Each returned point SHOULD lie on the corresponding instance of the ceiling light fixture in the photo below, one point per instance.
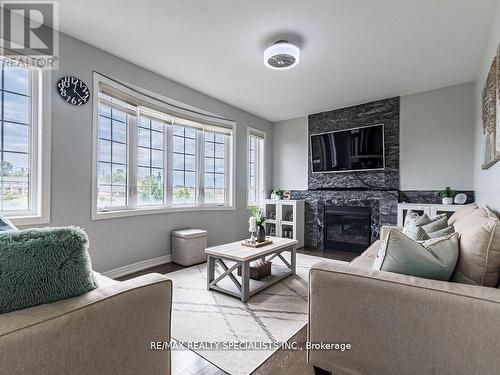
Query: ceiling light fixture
(282, 55)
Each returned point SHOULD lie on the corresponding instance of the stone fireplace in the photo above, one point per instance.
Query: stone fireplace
(347, 228)
(382, 206)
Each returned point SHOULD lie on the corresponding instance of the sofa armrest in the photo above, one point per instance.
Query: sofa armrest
(401, 324)
(384, 230)
(105, 331)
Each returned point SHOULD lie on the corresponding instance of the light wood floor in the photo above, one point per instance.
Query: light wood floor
(289, 362)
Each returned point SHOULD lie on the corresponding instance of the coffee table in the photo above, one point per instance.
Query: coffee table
(241, 256)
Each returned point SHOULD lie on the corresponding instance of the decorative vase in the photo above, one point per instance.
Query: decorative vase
(261, 233)
(447, 200)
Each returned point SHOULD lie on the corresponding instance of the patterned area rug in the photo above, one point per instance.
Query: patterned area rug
(271, 316)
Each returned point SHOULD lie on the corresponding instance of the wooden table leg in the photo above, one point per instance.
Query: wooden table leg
(245, 281)
(210, 270)
(293, 256)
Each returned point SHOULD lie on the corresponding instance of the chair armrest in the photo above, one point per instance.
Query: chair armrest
(384, 230)
(401, 324)
(105, 331)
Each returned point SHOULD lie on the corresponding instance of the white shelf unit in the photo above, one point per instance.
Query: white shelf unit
(430, 209)
(280, 222)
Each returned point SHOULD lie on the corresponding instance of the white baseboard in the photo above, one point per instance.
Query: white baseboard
(136, 267)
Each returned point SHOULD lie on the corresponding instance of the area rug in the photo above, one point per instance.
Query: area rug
(270, 317)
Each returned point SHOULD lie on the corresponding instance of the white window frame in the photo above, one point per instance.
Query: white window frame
(40, 153)
(261, 180)
(183, 112)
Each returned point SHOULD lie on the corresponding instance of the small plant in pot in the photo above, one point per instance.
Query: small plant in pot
(259, 221)
(277, 194)
(447, 195)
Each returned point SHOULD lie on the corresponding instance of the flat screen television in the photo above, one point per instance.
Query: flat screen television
(358, 149)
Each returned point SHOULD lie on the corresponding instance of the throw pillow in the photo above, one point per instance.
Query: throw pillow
(413, 217)
(42, 266)
(439, 222)
(6, 224)
(443, 232)
(413, 225)
(432, 259)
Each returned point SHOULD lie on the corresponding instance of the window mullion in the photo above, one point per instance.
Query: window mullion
(35, 157)
(227, 170)
(257, 172)
(200, 156)
(168, 163)
(133, 160)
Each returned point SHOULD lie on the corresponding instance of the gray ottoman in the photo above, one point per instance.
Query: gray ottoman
(188, 246)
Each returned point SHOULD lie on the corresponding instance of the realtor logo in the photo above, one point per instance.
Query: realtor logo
(28, 32)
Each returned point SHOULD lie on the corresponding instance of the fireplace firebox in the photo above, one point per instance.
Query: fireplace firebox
(347, 228)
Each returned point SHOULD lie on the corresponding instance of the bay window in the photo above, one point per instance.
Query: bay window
(150, 156)
(24, 125)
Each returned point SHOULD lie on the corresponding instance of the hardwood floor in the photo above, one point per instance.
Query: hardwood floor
(345, 256)
(289, 362)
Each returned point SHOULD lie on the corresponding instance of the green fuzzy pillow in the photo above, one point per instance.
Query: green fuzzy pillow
(43, 265)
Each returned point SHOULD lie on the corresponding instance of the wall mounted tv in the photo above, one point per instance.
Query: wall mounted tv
(357, 149)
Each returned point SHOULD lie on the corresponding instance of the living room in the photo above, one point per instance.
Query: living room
(250, 187)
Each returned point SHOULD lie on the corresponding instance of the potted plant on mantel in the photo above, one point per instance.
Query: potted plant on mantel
(447, 195)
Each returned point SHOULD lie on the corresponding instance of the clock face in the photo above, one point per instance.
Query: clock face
(73, 90)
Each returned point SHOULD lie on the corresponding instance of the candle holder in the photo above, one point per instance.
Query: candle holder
(252, 228)
(252, 237)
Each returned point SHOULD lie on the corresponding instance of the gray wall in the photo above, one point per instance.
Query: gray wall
(486, 183)
(290, 151)
(122, 241)
(437, 139)
(436, 135)
(288, 176)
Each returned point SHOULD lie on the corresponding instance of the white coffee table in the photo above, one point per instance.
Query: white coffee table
(243, 287)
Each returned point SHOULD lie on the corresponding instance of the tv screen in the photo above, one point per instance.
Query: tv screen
(348, 150)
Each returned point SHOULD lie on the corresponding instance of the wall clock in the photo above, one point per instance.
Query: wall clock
(73, 90)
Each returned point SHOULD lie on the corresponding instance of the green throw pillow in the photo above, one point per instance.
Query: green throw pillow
(43, 265)
(432, 259)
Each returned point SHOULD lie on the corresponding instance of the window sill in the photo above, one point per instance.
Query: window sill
(153, 211)
(28, 220)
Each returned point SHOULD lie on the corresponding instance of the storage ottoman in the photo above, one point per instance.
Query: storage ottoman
(188, 246)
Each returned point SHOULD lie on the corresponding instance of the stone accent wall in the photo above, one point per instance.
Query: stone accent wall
(383, 205)
(379, 112)
(428, 196)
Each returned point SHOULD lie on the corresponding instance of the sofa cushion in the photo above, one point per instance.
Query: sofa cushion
(43, 265)
(462, 212)
(432, 259)
(479, 260)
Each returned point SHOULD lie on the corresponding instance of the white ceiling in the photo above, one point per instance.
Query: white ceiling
(352, 51)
